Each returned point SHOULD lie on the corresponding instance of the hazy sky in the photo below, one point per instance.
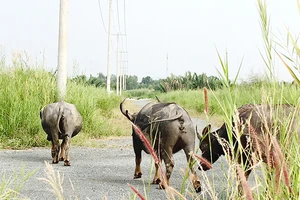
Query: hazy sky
(190, 32)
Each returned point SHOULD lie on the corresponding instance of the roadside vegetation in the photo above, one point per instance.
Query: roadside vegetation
(26, 89)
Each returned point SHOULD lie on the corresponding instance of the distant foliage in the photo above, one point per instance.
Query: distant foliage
(132, 82)
(187, 82)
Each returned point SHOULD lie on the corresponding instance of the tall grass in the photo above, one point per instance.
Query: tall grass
(286, 159)
(26, 89)
(193, 100)
(23, 93)
(281, 182)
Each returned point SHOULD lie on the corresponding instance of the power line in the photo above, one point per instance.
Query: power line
(102, 16)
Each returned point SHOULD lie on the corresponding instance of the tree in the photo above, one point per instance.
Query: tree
(131, 82)
(113, 82)
(80, 79)
(101, 78)
(98, 81)
(147, 81)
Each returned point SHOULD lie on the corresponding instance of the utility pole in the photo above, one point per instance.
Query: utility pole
(108, 49)
(118, 71)
(62, 50)
(118, 63)
(124, 75)
(121, 80)
(121, 75)
(118, 88)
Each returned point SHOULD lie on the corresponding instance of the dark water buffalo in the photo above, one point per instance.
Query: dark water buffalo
(61, 120)
(253, 133)
(168, 128)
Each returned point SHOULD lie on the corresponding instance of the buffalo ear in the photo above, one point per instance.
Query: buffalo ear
(206, 129)
(205, 132)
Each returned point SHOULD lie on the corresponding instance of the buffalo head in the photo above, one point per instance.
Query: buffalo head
(210, 146)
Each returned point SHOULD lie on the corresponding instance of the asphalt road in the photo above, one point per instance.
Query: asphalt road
(96, 173)
(104, 173)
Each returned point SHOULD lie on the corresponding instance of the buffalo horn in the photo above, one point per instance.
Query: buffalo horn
(198, 135)
(126, 113)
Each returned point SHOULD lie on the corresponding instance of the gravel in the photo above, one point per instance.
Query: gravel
(104, 173)
(95, 173)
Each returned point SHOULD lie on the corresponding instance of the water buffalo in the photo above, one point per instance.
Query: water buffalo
(168, 128)
(251, 135)
(61, 120)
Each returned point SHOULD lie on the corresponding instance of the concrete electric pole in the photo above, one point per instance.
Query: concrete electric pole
(62, 50)
(108, 49)
(118, 64)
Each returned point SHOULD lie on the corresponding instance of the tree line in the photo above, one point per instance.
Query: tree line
(189, 81)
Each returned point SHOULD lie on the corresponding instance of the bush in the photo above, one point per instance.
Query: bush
(26, 90)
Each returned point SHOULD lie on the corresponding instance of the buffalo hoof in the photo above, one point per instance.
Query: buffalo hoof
(61, 159)
(138, 175)
(156, 181)
(197, 186)
(54, 162)
(161, 186)
(67, 163)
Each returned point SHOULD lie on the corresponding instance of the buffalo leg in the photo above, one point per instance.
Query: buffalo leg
(63, 150)
(138, 160)
(156, 179)
(191, 162)
(55, 148)
(167, 156)
(67, 141)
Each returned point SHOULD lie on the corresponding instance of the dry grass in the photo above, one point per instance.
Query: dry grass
(244, 183)
(54, 180)
(11, 185)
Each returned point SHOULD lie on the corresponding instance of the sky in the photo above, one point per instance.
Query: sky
(159, 37)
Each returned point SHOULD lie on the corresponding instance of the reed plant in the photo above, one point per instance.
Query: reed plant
(280, 182)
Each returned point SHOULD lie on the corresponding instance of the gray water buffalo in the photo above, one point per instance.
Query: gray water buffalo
(252, 134)
(61, 120)
(168, 128)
